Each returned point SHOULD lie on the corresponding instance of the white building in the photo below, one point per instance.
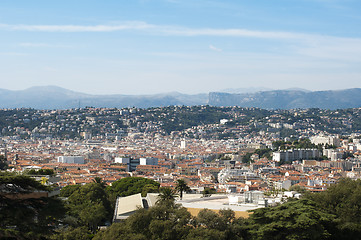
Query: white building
(330, 140)
(183, 144)
(148, 161)
(295, 154)
(333, 154)
(71, 159)
(238, 175)
(223, 121)
(122, 160)
(130, 162)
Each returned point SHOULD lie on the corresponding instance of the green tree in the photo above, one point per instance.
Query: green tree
(92, 214)
(342, 200)
(68, 190)
(149, 188)
(79, 233)
(206, 234)
(221, 225)
(166, 196)
(119, 230)
(298, 188)
(182, 187)
(100, 181)
(298, 219)
(3, 163)
(129, 186)
(247, 158)
(210, 219)
(40, 172)
(207, 192)
(30, 217)
(264, 153)
(158, 222)
(89, 204)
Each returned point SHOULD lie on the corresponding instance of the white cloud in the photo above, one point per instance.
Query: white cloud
(156, 29)
(46, 45)
(215, 48)
(77, 28)
(231, 33)
(313, 45)
(163, 30)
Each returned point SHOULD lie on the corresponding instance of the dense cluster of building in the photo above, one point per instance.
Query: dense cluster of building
(113, 144)
(203, 163)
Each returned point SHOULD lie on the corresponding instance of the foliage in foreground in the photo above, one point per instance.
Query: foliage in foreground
(26, 218)
(333, 214)
(172, 222)
(299, 219)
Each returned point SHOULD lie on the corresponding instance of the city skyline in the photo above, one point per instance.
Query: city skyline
(147, 47)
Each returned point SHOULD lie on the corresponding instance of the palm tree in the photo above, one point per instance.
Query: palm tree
(99, 180)
(182, 187)
(166, 195)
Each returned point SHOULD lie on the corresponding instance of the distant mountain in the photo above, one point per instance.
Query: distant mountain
(297, 89)
(52, 97)
(288, 99)
(246, 90)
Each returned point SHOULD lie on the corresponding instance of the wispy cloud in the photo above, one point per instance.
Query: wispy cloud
(162, 30)
(77, 28)
(41, 45)
(155, 29)
(215, 48)
(314, 45)
(230, 33)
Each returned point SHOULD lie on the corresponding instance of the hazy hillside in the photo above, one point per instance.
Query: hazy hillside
(52, 97)
(288, 99)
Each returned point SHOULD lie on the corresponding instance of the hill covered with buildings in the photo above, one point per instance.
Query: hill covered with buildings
(285, 166)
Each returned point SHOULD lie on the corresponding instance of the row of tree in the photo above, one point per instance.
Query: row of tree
(82, 206)
(333, 214)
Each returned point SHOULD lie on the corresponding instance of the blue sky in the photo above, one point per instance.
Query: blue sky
(189, 46)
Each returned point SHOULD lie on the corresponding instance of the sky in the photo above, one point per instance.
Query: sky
(188, 46)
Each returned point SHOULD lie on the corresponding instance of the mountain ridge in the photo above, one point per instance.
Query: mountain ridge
(54, 97)
(289, 99)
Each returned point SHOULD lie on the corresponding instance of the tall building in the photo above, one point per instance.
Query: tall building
(148, 161)
(330, 140)
(295, 154)
(122, 160)
(131, 163)
(71, 159)
(183, 144)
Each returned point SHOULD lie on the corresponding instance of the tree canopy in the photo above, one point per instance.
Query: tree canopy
(25, 216)
(128, 186)
(332, 214)
(182, 187)
(166, 196)
(90, 205)
(299, 219)
(3, 162)
(343, 201)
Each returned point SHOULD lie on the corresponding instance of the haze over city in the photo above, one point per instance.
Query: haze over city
(180, 119)
(147, 47)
